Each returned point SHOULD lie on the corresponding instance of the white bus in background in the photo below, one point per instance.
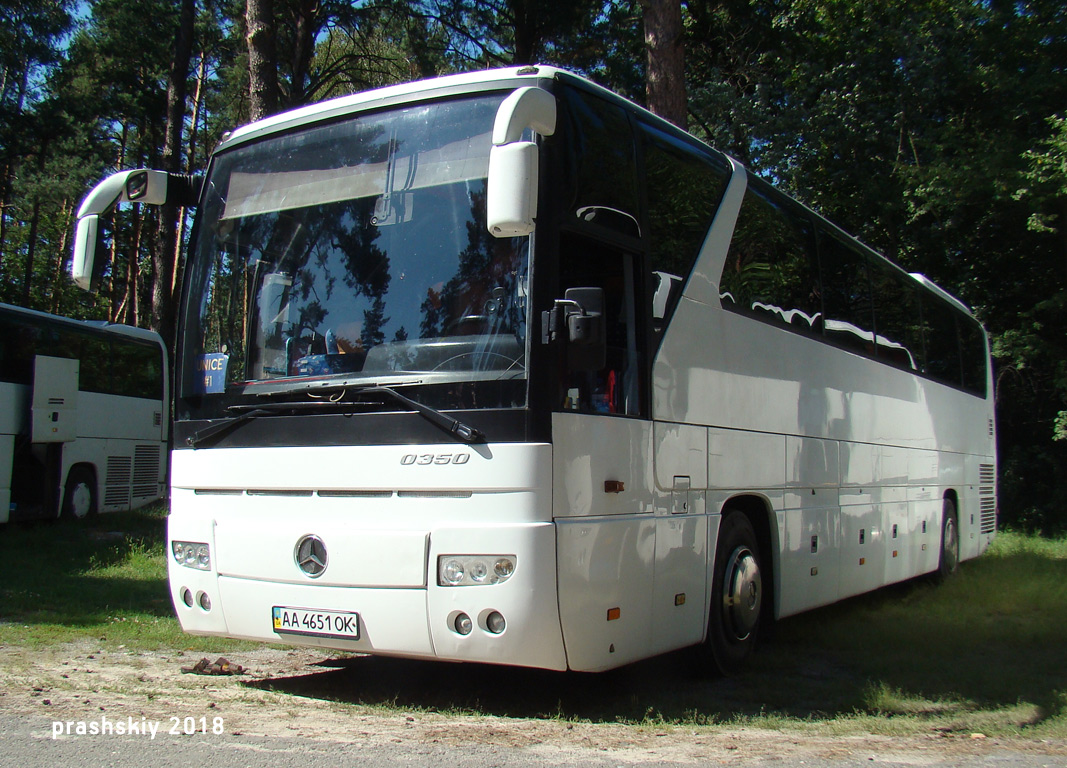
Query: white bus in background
(500, 367)
(83, 408)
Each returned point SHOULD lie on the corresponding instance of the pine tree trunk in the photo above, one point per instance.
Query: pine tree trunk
(665, 79)
(165, 255)
(262, 59)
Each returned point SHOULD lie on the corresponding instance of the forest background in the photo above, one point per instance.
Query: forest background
(934, 130)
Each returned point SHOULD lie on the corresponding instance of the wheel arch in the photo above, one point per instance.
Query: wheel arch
(761, 515)
(951, 495)
(87, 467)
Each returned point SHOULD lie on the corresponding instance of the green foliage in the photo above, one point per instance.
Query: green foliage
(102, 579)
(924, 128)
(932, 129)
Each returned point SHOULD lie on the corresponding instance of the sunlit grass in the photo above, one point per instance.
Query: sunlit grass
(984, 652)
(103, 578)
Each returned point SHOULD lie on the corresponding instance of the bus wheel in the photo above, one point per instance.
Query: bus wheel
(737, 593)
(79, 494)
(949, 561)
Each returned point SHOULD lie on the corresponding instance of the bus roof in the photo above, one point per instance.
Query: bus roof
(394, 94)
(101, 326)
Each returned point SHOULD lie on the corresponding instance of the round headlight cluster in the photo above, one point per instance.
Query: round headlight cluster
(472, 570)
(192, 554)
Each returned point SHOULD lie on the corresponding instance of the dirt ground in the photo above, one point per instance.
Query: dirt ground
(280, 694)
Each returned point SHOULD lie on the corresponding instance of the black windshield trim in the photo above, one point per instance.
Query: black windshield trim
(356, 428)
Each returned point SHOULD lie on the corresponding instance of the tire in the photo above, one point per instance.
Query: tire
(948, 561)
(79, 494)
(736, 595)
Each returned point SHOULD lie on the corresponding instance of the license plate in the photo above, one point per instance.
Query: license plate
(308, 621)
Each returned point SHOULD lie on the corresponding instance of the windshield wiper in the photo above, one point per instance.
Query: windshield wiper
(249, 412)
(215, 430)
(454, 427)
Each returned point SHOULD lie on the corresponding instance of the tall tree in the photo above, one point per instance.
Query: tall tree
(165, 254)
(30, 35)
(262, 59)
(665, 44)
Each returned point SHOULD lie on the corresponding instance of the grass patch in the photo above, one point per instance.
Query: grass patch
(104, 578)
(984, 652)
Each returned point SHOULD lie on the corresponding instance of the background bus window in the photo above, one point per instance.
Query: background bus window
(771, 272)
(615, 389)
(17, 348)
(846, 289)
(137, 370)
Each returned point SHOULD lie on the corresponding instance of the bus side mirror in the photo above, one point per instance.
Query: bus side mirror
(139, 186)
(581, 314)
(511, 202)
(83, 267)
(511, 187)
(125, 186)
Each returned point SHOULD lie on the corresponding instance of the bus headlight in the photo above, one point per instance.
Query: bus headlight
(192, 554)
(472, 570)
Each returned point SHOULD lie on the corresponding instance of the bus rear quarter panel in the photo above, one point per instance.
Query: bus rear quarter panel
(853, 458)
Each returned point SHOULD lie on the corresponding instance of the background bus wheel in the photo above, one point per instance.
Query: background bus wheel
(949, 561)
(737, 594)
(79, 494)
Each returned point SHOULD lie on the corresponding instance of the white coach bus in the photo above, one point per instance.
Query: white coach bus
(83, 425)
(500, 367)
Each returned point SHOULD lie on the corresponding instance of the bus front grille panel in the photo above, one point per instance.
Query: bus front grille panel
(117, 480)
(146, 471)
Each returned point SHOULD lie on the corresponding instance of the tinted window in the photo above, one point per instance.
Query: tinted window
(136, 370)
(942, 342)
(974, 355)
(683, 188)
(603, 183)
(771, 271)
(107, 366)
(897, 317)
(846, 288)
(616, 388)
(16, 351)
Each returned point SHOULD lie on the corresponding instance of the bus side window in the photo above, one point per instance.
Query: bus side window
(846, 288)
(942, 342)
(602, 190)
(615, 389)
(974, 357)
(683, 190)
(897, 319)
(16, 351)
(771, 272)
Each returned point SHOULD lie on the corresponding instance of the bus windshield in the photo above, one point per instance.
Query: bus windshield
(356, 251)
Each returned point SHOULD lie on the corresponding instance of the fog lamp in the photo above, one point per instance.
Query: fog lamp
(463, 624)
(495, 623)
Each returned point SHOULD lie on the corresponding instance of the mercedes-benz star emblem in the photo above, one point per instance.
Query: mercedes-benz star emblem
(310, 555)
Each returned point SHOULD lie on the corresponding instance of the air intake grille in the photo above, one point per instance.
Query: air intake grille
(145, 471)
(117, 484)
(987, 497)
